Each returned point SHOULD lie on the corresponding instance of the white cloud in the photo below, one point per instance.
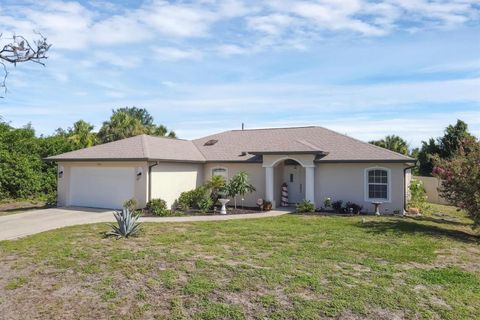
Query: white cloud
(65, 24)
(231, 49)
(235, 8)
(174, 54)
(120, 30)
(258, 25)
(471, 65)
(167, 83)
(177, 20)
(271, 24)
(119, 60)
(115, 94)
(443, 13)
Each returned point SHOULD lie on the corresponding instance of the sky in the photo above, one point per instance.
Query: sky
(363, 68)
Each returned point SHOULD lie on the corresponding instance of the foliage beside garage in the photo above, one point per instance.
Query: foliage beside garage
(23, 173)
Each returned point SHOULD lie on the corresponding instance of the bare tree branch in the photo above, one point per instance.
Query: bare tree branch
(20, 50)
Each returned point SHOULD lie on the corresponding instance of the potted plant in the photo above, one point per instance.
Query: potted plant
(267, 205)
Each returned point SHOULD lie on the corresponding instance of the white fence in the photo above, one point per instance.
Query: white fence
(431, 185)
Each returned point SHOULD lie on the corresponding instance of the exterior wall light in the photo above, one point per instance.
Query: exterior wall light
(139, 173)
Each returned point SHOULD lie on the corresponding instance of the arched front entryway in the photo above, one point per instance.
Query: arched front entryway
(296, 171)
(292, 174)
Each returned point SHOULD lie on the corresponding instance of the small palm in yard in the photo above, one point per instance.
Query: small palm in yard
(127, 224)
(217, 186)
(239, 185)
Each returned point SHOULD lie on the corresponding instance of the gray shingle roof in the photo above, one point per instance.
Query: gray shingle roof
(239, 145)
(142, 147)
(338, 147)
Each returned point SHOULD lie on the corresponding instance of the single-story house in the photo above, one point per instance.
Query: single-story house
(314, 162)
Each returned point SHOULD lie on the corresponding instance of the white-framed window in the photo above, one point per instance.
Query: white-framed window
(220, 171)
(377, 184)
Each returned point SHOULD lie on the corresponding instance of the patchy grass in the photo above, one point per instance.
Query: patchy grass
(16, 283)
(289, 267)
(9, 206)
(447, 213)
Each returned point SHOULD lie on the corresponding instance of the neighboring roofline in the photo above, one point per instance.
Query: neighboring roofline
(272, 128)
(226, 161)
(319, 161)
(123, 159)
(234, 161)
(94, 159)
(367, 161)
(288, 152)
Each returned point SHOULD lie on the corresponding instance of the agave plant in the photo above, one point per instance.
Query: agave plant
(127, 224)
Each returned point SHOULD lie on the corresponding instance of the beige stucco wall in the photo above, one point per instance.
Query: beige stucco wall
(408, 179)
(431, 185)
(169, 180)
(341, 181)
(63, 185)
(346, 181)
(256, 174)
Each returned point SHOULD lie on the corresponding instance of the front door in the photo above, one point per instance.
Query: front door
(294, 176)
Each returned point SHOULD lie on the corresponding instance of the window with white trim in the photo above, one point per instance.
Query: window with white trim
(378, 184)
(220, 172)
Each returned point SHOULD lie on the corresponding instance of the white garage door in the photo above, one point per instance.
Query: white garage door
(101, 187)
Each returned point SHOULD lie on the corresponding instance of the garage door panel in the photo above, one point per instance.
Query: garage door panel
(104, 187)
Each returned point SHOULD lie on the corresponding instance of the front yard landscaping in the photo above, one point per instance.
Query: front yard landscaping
(288, 267)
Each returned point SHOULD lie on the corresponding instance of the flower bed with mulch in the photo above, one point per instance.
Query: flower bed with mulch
(215, 212)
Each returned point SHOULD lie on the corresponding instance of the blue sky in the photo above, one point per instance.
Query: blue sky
(365, 68)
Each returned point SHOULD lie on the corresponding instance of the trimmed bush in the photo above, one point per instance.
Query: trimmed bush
(205, 204)
(337, 206)
(352, 207)
(198, 198)
(158, 207)
(305, 206)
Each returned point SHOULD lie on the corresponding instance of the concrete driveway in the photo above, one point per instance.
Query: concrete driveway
(18, 225)
(35, 221)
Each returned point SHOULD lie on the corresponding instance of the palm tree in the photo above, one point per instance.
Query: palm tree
(239, 185)
(81, 134)
(217, 185)
(128, 122)
(120, 126)
(393, 143)
(161, 131)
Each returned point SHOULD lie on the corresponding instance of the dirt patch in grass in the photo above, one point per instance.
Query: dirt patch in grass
(11, 207)
(373, 314)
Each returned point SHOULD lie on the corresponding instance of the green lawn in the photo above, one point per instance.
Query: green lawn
(289, 267)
